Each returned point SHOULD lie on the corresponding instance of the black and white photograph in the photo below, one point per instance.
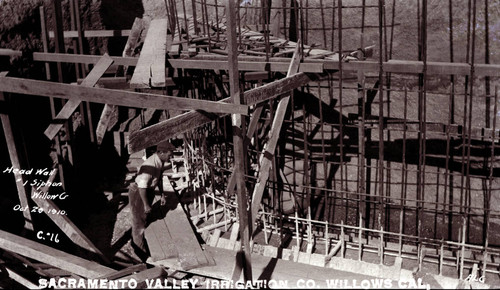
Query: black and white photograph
(250, 144)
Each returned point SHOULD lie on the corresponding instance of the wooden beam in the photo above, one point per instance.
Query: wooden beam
(179, 124)
(150, 69)
(151, 274)
(245, 65)
(108, 109)
(68, 109)
(61, 220)
(110, 82)
(81, 58)
(393, 66)
(252, 126)
(104, 120)
(278, 87)
(51, 256)
(273, 136)
(94, 33)
(58, 39)
(116, 97)
(124, 272)
(133, 37)
(21, 280)
(10, 52)
(238, 125)
(14, 160)
(172, 237)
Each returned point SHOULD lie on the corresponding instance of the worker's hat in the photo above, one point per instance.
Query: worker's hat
(165, 146)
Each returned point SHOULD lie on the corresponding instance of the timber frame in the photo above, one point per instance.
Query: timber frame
(285, 139)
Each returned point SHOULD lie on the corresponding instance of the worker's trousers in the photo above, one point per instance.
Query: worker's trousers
(139, 219)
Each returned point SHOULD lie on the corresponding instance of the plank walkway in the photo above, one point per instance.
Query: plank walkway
(295, 275)
(171, 237)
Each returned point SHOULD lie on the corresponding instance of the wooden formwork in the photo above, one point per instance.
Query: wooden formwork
(334, 150)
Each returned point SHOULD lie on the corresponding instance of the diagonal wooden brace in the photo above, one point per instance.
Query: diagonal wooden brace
(172, 127)
(68, 109)
(270, 147)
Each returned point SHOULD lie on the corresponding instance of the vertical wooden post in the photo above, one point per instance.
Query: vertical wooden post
(74, 42)
(380, 168)
(327, 239)
(195, 19)
(361, 148)
(381, 245)
(490, 182)
(60, 48)
(462, 250)
(79, 29)
(45, 41)
(58, 34)
(239, 158)
(84, 67)
(297, 232)
(441, 257)
(360, 236)
(14, 159)
(342, 239)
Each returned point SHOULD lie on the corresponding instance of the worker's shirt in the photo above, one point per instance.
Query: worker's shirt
(150, 172)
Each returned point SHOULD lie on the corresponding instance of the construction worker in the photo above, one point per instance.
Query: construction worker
(142, 192)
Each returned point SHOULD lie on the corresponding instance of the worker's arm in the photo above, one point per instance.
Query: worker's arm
(144, 180)
(163, 200)
(144, 198)
(166, 186)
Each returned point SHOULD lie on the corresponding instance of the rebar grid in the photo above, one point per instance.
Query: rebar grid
(417, 165)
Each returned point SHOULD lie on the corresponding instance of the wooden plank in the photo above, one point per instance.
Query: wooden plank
(10, 52)
(61, 220)
(214, 238)
(234, 236)
(51, 256)
(179, 124)
(16, 164)
(252, 126)
(191, 255)
(154, 244)
(81, 58)
(21, 280)
(116, 97)
(411, 67)
(110, 81)
(150, 69)
(160, 243)
(152, 274)
(94, 33)
(278, 87)
(245, 227)
(107, 111)
(288, 272)
(124, 272)
(245, 65)
(103, 123)
(58, 37)
(68, 109)
(270, 147)
(133, 37)
(172, 237)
